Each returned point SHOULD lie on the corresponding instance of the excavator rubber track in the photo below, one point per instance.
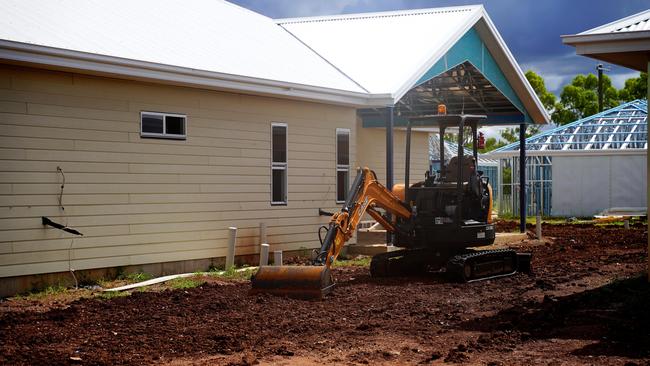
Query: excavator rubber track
(478, 265)
(399, 263)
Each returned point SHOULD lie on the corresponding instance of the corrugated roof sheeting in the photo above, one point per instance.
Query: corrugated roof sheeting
(389, 45)
(210, 35)
(634, 23)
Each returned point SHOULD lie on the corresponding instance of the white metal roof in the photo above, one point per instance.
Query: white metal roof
(365, 60)
(634, 23)
(382, 51)
(209, 35)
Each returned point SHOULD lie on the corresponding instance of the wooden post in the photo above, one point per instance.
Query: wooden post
(232, 239)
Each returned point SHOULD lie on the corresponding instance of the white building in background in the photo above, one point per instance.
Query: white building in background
(581, 168)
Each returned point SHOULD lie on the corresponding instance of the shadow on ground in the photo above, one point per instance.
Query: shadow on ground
(616, 317)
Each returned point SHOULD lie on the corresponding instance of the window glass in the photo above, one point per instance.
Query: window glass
(279, 144)
(279, 185)
(342, 164)
(343, 148)
(342, 185)
(152, 123)
(175, 125)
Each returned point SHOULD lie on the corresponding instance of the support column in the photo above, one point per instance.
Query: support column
(389, 147)
(648, 172)
(522, 178)
(390, 121)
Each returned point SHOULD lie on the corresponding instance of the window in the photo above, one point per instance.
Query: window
(278, 163)
(162, 125)
(342, 164)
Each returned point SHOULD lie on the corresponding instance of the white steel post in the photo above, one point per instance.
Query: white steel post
(232, 239)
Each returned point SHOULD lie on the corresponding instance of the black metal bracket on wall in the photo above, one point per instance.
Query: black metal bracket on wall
(47, 222)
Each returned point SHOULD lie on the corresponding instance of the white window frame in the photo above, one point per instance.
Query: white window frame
(164, 134)
(341, 167)
(280, 166)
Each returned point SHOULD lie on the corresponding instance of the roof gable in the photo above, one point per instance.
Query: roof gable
(390, 53)
(470, 48)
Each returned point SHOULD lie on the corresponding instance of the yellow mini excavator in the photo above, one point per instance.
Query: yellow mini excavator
(436, 221)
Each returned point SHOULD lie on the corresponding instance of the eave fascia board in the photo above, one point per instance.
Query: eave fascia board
(428, 64)
(531, 101)
(49, 57)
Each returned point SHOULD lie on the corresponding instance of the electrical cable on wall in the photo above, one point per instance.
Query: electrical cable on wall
(59, 170)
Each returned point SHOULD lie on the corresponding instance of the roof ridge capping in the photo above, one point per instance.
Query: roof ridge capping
(380, 14)
(619, 24)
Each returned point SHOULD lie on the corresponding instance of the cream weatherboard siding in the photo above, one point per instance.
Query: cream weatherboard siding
(140, 200)
(371, 152)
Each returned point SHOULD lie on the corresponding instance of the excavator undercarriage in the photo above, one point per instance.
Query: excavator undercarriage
(438, 222)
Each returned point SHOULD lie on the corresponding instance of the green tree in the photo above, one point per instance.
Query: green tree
(537, 82)
(491, 143)
(635, 88)
(512, 134)
(580, 98)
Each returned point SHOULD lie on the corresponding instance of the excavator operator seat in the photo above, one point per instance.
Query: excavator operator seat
(469, 169)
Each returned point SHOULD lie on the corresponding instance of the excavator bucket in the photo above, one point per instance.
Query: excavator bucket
(303, 282)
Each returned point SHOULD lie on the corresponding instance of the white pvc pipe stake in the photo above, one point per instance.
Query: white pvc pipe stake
(626, 224)
(277, 258)
(264, 255)
(538, 227)
(232, 239)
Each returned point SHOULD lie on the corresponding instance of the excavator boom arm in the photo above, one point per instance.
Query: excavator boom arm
(315, 281)
(366, 194)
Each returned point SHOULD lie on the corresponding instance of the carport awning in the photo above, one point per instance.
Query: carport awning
(467, 79)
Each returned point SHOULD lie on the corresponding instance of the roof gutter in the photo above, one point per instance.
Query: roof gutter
(88, 63)
(573, 39)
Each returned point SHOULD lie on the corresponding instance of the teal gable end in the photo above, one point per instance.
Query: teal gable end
(470, 48)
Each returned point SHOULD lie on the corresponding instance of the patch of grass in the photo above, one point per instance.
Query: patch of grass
(48, 291)
(113, 294)
(184, 283)
(360, 261)
(103, 283)
(138, 277)
(233, 273)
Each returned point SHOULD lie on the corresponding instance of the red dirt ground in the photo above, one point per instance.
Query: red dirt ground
(586, 303)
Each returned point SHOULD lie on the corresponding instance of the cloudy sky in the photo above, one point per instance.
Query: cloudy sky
(531, 28)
